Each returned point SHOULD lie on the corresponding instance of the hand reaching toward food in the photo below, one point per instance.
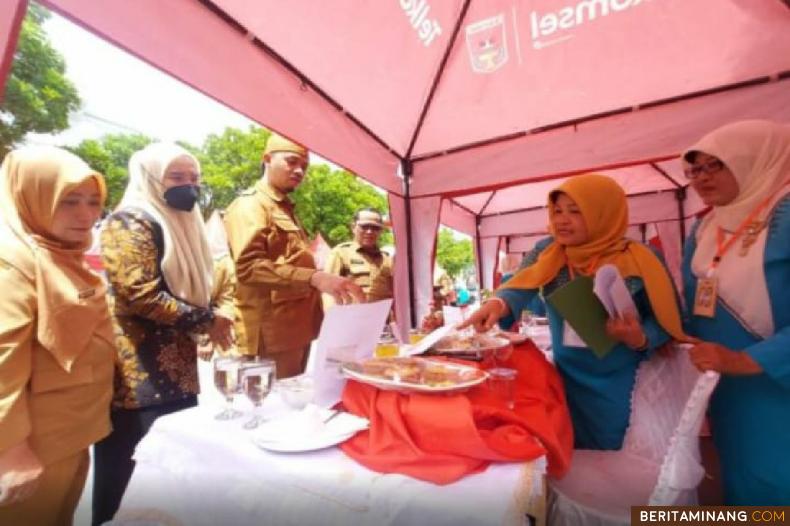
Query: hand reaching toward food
(484, 318)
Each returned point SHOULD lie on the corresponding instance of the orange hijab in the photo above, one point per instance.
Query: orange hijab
(604, 207)
(72, 306)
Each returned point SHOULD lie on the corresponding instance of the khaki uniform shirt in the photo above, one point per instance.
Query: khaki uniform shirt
(224, 289)
(222, 297)
(443, 280)
(276, 308)
(371, 271)
(60, 413)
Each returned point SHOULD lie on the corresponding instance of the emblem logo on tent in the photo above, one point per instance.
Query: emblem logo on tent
(487, 45)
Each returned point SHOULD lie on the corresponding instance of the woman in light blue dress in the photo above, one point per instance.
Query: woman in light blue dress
(738, 257)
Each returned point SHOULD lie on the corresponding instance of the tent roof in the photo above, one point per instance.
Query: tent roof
(637, 179)
(478, 94)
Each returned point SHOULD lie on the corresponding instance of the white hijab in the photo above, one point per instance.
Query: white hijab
(187, 265)
(758, 155)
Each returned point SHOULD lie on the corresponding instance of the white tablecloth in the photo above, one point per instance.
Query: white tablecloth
(541, 337)
(195, 470)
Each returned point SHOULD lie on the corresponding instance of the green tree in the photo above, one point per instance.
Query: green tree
(38, 96)
(110, 156)
(454, 255)
(327, 200)
(231, 162)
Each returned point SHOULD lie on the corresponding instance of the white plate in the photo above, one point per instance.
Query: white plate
(513, 337)
(477, 376)
(310, 443)
(483, 343)
(285, 435)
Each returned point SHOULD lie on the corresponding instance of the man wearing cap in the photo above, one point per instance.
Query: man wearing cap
(278, 296)
(362, 260)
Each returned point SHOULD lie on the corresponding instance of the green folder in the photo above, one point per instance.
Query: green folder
(582, 309)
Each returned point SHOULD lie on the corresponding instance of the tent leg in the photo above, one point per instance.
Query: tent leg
(406, 168)
(680, 195)
(478, 255)
(11, 15)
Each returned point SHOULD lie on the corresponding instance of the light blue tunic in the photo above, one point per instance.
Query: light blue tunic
(750, 415)
(598, 391)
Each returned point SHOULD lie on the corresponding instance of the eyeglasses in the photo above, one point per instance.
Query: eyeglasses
(369, 228)
(710, 167)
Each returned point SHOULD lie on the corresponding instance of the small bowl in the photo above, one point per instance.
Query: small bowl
(296, 392)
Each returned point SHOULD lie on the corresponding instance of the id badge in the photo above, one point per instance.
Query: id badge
(705, 298)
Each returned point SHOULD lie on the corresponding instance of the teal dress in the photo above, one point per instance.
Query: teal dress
(598, 390)
(536, 306)
(750, 415)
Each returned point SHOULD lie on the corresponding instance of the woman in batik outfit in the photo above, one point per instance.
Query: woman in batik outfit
(159, 266)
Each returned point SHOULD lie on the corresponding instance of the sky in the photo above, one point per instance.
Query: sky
(122, 94)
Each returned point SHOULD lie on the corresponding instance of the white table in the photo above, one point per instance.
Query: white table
(541, 337)
(194, 470)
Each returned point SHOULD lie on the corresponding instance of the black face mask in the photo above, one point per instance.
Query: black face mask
(182, 197)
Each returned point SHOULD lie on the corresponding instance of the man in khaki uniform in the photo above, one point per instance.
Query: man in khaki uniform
(445, 283)
(278, 304)
(362, 260)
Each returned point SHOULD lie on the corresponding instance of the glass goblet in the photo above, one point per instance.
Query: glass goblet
(257, 378)
(226, 380)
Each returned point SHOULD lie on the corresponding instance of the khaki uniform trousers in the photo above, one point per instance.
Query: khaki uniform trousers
(56, 498)
(289, 363)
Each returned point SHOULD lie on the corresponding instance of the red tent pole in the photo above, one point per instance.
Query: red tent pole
(478, 255)
(12, 12)
(406, 168)
(680, 195)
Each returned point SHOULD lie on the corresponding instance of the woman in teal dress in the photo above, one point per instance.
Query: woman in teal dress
(742, 170)
(589, 217)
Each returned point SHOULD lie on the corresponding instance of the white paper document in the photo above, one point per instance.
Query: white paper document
(611, 289)
(429, 340)
(452, 315)
(348, 333)
(570, 338)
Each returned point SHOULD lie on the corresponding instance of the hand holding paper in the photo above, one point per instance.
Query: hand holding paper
(612, 291)
(583, 311)
(628, 330)
(623, 324)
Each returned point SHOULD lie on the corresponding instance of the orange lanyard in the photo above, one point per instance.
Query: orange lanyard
(722, 247)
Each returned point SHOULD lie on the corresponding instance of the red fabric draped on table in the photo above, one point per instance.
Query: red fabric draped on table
(442, 438)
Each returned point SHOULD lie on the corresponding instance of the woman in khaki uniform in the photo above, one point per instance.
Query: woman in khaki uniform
(224, 287)
(56, 355)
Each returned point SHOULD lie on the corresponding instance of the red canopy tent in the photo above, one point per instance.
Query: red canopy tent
(463, 109)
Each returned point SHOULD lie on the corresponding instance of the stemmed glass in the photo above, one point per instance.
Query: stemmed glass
(226, 379)
(502, 354)
(257, 377)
